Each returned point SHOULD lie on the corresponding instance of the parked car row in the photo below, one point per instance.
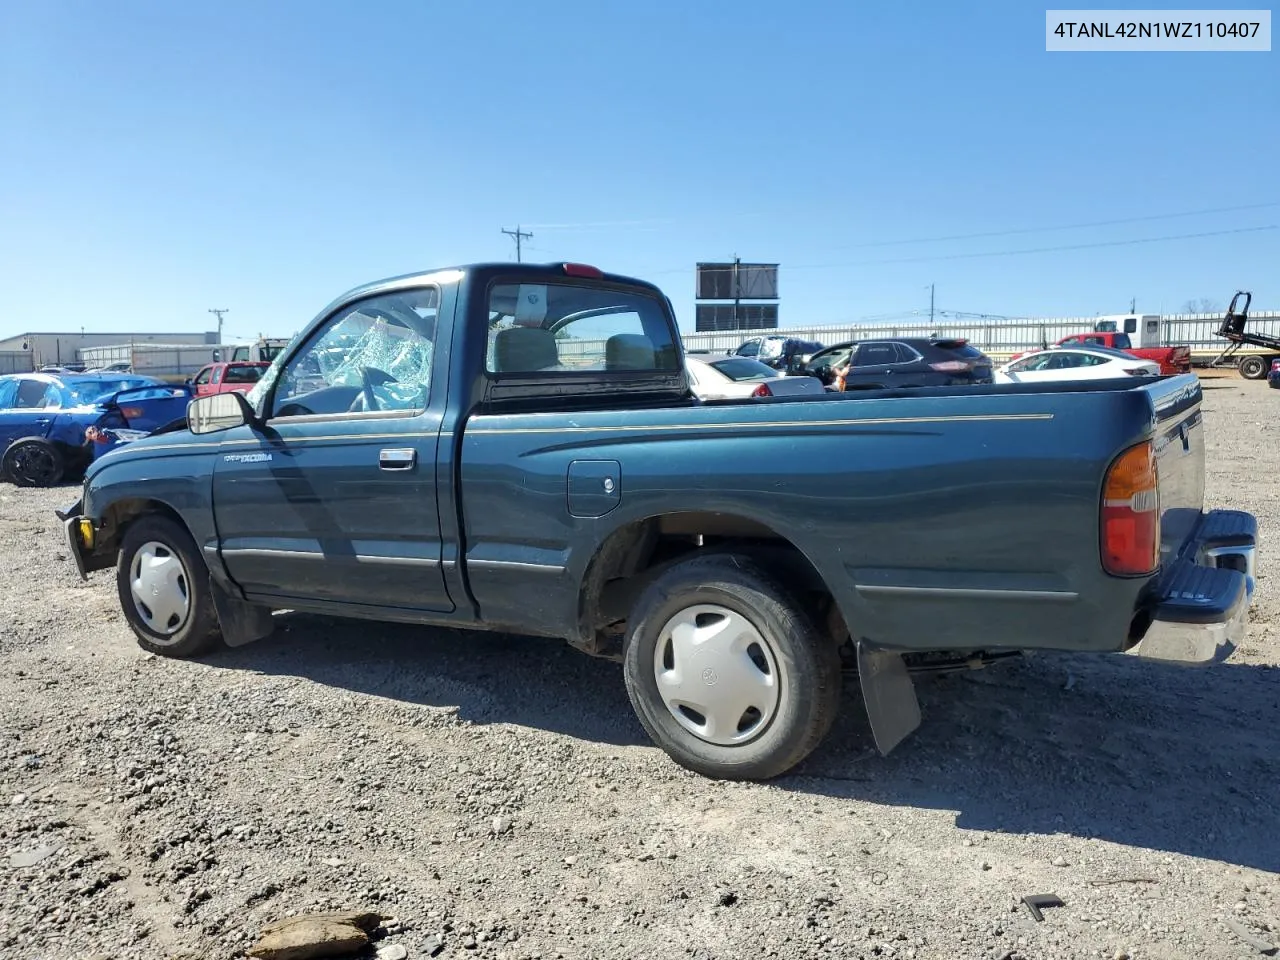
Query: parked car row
(942, 361)
(39, 447)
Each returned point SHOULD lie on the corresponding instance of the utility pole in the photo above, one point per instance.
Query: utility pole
(931, 304)
(517, 233)
(219, 314)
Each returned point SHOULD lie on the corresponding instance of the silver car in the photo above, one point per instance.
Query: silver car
(732, 377)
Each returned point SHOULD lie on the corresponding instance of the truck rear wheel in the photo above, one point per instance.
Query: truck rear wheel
(727, 672)
(1253, 368)
(164, 589)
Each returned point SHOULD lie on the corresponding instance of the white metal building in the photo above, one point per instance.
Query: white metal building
(47, 349)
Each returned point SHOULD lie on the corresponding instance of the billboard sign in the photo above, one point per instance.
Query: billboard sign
(754, 281)
(709, 317)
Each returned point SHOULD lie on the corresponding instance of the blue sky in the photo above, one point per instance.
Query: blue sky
(159, 159)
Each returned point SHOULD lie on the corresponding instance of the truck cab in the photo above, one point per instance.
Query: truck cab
(1140, 331)
(262, 350)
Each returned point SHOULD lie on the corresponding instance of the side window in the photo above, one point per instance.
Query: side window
(374, 355)
(1067, 340)
(8, 390)
(836, 358)
(1122, 341)
(1095, 340)
(749, 349)
(1130, 324)
(217, 374)
(568, 328)
(34, 394)
(239, 353)
(875, 354)
(203, 376)
(1067, 361)
(1043, 361)
(905, 353)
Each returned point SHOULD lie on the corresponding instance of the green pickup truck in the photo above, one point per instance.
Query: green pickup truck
(515, 447)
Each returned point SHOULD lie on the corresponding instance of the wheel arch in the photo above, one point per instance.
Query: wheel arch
(118, 517)
(639, 549)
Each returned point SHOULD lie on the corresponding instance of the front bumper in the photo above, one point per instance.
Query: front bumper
(71, 524)
(1202, 611)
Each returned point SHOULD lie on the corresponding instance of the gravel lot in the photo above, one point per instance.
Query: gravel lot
(498, 798)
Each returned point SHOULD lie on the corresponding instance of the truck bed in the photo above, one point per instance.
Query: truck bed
(941, 518)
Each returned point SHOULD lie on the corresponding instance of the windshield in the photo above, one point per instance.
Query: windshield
(744, 368)
(87, 393)
(771, 348)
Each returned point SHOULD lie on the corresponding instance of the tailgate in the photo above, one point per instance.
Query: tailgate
(1179, 447)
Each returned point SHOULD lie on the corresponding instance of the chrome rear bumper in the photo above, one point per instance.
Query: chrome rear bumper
(1203, 612)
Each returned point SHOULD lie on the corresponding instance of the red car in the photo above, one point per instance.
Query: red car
(226, 377)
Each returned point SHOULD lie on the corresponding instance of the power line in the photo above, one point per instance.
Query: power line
(997, 253)
(219, 314)
(517, 233)
(1065, 226)
(1014, 253)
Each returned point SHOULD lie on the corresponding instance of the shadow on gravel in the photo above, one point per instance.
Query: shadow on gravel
(488, 677)
(1180, 760)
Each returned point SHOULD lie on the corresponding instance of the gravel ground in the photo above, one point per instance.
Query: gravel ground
(497, 797)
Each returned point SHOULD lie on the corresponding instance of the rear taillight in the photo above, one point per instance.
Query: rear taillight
(762, 391)
(131, 413)
(1137, 371)
(952, 366)
(1131, 514)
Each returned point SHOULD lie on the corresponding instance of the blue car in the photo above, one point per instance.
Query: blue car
(52, 426)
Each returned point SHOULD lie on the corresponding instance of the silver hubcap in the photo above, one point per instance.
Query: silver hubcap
(717, 674)
(161, 588)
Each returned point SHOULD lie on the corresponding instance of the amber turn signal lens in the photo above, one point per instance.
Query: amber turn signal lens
(1131, 513)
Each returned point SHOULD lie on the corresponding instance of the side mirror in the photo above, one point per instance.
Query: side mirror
(218, 411)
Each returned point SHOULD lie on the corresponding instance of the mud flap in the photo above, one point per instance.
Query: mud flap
(889, 695)
(241, 622)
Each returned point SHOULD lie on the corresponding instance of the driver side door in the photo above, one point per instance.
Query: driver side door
(334, 497)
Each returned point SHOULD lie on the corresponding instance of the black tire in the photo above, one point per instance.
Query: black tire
(1253, 368)
(198, 632)
(33, 462)
(809, 677)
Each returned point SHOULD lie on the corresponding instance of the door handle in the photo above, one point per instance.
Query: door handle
(398, 458)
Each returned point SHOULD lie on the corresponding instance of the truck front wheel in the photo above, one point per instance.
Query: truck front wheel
(726, 670)
(1253, 368)
(164, 589)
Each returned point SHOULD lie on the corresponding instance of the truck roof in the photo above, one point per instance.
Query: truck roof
(487, 270)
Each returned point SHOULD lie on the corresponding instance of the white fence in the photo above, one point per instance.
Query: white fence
(168, 361)
(1000, 337)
